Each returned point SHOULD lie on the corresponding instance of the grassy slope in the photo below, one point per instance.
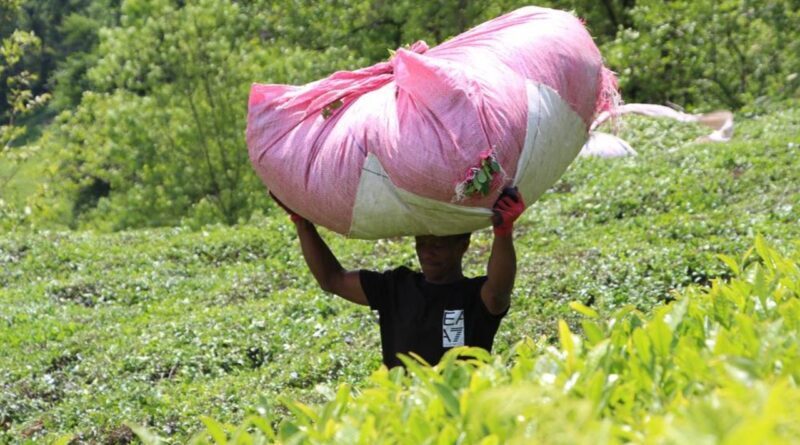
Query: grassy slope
(26, 178)
(159, 327)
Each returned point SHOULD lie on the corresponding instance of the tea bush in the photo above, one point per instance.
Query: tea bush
(720, 364)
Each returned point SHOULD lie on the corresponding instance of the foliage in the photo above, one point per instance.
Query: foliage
(718, 365)
(480, 178)
(75, 42)
(159, 327)
(161, 344)
(21, 101)
(709, 53)
(67, 30)
(163, 134)
(372, 27)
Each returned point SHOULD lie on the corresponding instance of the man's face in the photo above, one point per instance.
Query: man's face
(440, 256)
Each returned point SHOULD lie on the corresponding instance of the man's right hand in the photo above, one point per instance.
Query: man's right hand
(294, 216)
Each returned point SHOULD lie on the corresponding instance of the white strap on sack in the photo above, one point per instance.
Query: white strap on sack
(609, 146)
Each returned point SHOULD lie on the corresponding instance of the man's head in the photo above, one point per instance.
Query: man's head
(440, 256)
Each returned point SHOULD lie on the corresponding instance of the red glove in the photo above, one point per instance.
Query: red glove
(294, 216)
(507, 209)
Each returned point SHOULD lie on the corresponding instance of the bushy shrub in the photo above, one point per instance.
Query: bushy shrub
(706, 54)
(12, 218)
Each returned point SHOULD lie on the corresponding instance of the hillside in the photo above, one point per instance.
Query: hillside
(159, 327)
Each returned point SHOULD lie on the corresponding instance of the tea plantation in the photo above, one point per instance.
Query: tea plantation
(657, 301)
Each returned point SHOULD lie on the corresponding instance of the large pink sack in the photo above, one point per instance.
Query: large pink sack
(390, 149)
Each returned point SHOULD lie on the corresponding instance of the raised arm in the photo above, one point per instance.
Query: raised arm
(330, 275)
(502, 268)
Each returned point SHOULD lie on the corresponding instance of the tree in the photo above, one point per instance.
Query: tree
(709, 53)
(21, 102)
(161, 137)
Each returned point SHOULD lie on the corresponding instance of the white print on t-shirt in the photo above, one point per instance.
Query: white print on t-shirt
(453, 328)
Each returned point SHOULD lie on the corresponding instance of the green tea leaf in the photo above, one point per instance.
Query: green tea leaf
(731, 263)
(592, 331)
(449, 398)
(145, 435)
(565, 335)
(262, 424)
(642, 345)
(579, 307)
(215, 429)
(67, 438)
(764, 251)
(660, 337)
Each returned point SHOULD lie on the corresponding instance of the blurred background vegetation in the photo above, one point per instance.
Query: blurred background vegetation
(124, 114)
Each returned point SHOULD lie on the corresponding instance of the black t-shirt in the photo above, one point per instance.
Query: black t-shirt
(427, 318)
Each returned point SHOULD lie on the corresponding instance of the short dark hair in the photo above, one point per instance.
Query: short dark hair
(454, 238)
(462, 236)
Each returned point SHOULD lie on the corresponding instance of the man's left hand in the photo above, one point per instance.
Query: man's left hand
(508, 207)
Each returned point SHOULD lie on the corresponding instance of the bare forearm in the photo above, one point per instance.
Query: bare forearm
(325, 267)
(501, 271)
(321, 261)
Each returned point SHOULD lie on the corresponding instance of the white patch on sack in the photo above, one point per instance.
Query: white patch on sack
(555, 136)
(453, 328)
(382, 210)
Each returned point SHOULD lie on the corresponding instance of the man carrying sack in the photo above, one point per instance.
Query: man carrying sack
(431, 311)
